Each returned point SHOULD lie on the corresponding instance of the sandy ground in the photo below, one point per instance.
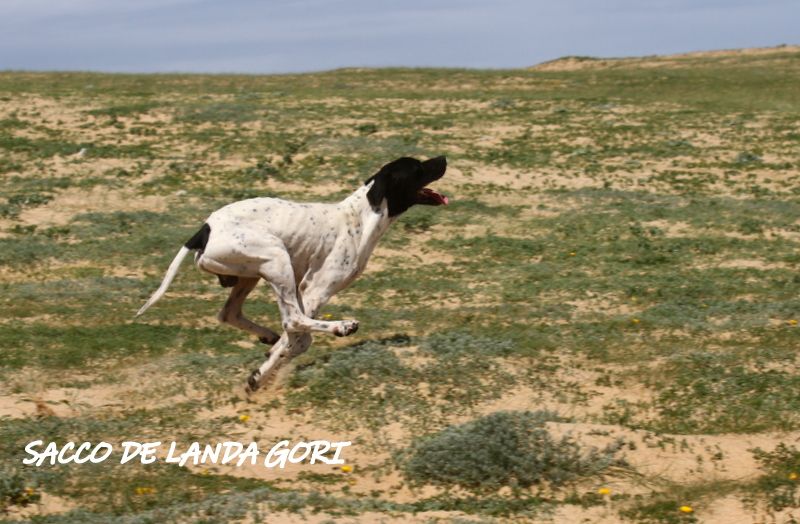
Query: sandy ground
(696, 459)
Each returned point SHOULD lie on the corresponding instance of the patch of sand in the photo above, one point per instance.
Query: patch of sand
(680, 458)
(605, 305)
(59, 402)
(47, 505)
(71, 202)
(671, 229)
(44, 110)
(572, 514)
(368, 462)
(730, 509)
(416, 252)
(133, 388)
(739, 263)
(368, 517)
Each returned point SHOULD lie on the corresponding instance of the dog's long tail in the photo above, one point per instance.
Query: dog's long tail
(198, 241)
(168, 278)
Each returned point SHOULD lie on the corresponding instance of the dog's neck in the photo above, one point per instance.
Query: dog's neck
(372, 223)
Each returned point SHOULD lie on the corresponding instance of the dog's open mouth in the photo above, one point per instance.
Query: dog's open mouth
(428, 196)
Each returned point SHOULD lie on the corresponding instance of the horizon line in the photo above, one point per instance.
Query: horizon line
(356, 68)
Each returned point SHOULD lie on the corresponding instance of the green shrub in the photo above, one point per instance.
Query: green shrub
(506, 448)
(748, 157)
(14, 490)
(367, 129)
(15, 203)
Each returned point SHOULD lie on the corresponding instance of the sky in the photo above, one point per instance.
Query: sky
(277, 36)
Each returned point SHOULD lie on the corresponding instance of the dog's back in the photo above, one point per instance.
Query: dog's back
(241, 232)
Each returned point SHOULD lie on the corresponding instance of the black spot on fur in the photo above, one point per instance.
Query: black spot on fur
(270, 341)
(200, 239)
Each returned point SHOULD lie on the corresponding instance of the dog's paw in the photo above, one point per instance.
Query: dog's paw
(346, 327)
(253, 381)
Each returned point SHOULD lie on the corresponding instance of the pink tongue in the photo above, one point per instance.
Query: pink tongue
(437, 196)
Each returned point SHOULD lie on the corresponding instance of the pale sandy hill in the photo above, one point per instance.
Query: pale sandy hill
(573, 63)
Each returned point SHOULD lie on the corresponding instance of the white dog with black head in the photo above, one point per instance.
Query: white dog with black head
(306, 251)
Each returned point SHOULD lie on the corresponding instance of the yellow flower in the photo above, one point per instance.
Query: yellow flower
(327, 316)
(145, 490)
(793, 476)
(572, 253)
(635, 320)
(686, 509)
(347, 468)
(604, 491)
(793, 322)
(244, 418)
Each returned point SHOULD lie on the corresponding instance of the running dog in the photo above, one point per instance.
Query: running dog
(307, 252)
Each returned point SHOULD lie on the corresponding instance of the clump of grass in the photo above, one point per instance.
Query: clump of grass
(24, 252)
(239, 110)
(7, 165)
(781, 483)
(16, 203)
(748, 158)
(130, 109)
(15, 490)
(705, 392)
(419, 222)
(751, 226)
(465, 369)
(367, 129)
(505, 448)
(263, 170)
(388, 382)
(368, 371)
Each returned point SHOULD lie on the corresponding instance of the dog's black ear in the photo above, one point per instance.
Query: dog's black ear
(380, 185)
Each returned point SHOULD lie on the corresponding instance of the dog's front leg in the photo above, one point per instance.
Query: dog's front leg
(290, 344)
(277, 270)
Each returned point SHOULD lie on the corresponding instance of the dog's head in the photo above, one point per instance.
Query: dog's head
(403, 183)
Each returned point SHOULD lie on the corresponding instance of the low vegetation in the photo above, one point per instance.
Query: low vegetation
(503, 449)
(602, 325)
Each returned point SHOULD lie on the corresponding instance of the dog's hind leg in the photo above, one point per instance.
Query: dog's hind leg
(289, 345)
(231, 312)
